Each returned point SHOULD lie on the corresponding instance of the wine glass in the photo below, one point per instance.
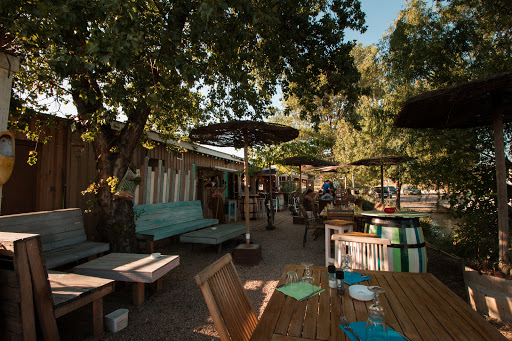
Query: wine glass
(376, 329)
(376, 308)
(307, 278)
(291, 279)
(347, 259)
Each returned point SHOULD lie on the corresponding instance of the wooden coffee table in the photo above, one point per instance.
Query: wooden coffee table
(130, 267)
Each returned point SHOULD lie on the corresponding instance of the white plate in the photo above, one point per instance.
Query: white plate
(360, 292)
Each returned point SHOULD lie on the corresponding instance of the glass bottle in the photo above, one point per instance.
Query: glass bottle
(332, 276)
(340, 283)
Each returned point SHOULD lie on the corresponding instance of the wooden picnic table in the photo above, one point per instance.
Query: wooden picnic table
(417, 305)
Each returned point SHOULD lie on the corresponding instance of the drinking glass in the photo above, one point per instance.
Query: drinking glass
(347, 260)
(307, 278)
(376, 329)
(376, 308)
(291, 279)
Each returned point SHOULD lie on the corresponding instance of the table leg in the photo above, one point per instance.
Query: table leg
(138, 293)
(157, 285)
(97, 318)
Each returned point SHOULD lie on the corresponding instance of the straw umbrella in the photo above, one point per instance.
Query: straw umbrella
(477, 103)
(382, 160)
(242, 134)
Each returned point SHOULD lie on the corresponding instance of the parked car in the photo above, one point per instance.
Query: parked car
(391, 190)
(410, 190)
(376, 191)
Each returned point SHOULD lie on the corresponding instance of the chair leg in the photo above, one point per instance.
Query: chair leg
(305, 234)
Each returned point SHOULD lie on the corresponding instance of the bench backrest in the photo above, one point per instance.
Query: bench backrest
(57, 228)
(169, 213)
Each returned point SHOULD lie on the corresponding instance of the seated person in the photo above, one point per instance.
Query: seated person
(308, 201)
(327, 196)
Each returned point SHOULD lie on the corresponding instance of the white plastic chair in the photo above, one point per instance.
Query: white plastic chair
(368, 253)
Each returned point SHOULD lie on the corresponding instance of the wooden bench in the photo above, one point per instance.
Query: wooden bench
(160, 221)
(214, 235)
(62, 234)
(31, 298)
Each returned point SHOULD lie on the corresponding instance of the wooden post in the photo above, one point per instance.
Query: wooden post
(246, 192)
(501, 179)
(382, 183)
(8, 66)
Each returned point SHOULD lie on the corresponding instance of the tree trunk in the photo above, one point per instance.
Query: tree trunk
(114, 152)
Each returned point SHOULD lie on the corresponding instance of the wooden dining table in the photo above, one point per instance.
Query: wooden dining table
(417, 305)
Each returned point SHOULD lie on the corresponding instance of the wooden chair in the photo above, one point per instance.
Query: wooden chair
(310, 224)
(368, 253)
(33, 298)
(227, 301)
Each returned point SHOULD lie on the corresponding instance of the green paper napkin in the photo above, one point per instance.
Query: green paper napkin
(300, 290)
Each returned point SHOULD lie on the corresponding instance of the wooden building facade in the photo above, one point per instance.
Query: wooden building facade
(66, 167)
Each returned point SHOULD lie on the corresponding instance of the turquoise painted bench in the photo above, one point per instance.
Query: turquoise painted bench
(214, 235)
(62, 234)
(160, 221)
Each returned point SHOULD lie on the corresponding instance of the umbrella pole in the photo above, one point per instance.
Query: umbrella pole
(501, 170)
(382, 183)
(246, 203)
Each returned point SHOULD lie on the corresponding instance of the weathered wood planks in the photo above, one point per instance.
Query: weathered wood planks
(62, 234)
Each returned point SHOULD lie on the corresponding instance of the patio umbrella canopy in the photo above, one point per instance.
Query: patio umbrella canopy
(242, 134)
(304, 161)
(381, 160)
(477, 103)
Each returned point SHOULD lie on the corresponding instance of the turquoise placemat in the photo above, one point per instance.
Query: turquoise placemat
(299, 291)
(355, 277)
(359, 328)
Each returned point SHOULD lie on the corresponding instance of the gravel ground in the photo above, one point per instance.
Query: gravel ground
(178, 311)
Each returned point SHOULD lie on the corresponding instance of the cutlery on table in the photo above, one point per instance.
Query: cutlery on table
(308, 296)
(347, 326)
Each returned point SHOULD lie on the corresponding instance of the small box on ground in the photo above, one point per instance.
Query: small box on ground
(116, 320)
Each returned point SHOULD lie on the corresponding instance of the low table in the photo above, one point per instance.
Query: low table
(214, 235)
(130, 267)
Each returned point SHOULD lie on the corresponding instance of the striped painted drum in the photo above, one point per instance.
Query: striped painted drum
(407, 252)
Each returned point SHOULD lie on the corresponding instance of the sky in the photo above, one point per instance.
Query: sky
(380, 14)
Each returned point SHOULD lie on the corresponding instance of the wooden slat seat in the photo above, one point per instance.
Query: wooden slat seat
(33, 298)
(160, 221)
(62, 234)
(227, 301)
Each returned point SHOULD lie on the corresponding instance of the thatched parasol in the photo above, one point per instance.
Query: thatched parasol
(242, 134)
(304, 161)
(381, 160)
(477, 103)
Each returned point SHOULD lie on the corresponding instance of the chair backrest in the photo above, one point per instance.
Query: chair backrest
(227, 301)
(367, 253)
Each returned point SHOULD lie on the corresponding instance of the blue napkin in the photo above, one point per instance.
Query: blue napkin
(355, 277)
(359, 328)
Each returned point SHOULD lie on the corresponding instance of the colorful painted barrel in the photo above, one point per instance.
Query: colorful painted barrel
(407, 252)
(253, 207)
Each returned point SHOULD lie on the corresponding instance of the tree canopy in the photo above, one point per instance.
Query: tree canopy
(166, 65)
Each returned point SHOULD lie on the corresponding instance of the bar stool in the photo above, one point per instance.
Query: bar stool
(336, 226)
(232, 209)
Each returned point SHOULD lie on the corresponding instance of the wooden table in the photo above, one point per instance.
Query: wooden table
(416, 304)
(130, 267)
